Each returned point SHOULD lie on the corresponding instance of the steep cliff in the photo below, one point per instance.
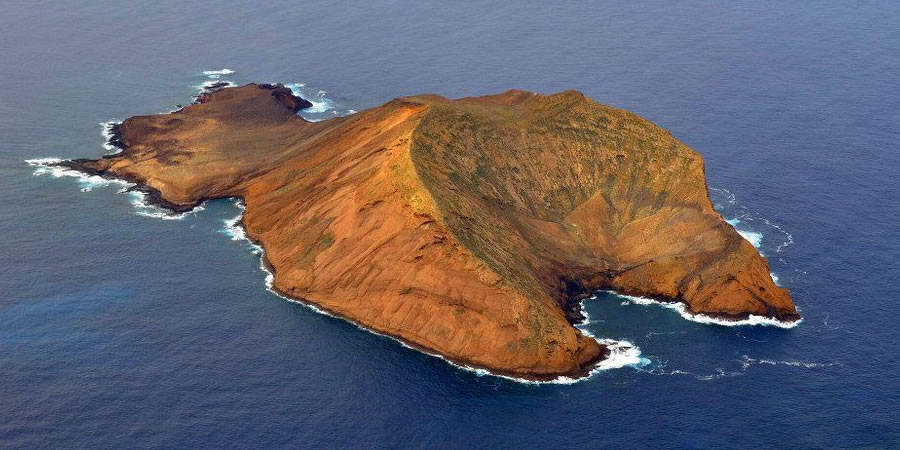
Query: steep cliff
(467, 227)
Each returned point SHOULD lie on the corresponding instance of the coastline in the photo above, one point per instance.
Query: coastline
(617, 354)
(613, 349)
(720, 320)
(152, 195)
(571, 301)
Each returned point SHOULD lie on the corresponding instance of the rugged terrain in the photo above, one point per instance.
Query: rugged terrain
(468, 227)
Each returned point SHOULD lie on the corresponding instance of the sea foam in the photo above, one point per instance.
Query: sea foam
(754, 237)
(322, 107)
(106, 130)
(747, 223)
(144, 208)
(206, 85)
(217, 73)
(747, 361)
(50, 166)
(215, 77)
(320, 102)
(681, 308)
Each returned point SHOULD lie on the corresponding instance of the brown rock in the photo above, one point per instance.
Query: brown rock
(468, 227)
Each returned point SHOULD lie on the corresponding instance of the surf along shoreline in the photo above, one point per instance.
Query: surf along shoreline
(152, 197)
(612, 350)
(617, 354)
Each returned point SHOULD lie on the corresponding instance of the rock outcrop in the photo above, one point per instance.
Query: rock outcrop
(470, 227)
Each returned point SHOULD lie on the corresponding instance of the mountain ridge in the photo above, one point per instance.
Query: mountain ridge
(471, 227)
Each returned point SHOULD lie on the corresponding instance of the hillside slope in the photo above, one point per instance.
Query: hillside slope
(468, 227)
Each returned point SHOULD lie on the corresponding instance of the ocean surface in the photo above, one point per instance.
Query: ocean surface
(119, 328)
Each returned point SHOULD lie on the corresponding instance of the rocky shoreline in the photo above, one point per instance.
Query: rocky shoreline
(259, 150)
(152, 196)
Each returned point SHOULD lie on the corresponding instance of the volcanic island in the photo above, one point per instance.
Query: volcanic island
(471, 228)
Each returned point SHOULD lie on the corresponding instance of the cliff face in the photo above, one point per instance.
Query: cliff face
(466, 227)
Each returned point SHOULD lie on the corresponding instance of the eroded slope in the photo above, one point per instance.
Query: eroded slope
(563, 195)
(465, 227)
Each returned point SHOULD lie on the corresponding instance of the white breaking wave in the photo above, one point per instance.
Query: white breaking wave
(321, 109)
(622, 353)
(754, 237)
(206, 85)
(217, 73)
(681, 308)
(49, 166)
(106, 130)
(144, 208)
(321, 104)
(738, 215)
(235, 230)
(747, 224)
(215, 77)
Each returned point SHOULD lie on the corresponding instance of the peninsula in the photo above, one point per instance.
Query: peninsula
(471, 228)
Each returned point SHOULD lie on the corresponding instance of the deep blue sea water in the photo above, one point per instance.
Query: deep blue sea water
(121, 330)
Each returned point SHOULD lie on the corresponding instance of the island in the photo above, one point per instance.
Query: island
(471, 228)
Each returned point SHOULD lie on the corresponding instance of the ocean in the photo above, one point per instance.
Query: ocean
(121, 328)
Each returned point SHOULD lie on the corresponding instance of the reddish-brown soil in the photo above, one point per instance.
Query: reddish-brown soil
(468, 227)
